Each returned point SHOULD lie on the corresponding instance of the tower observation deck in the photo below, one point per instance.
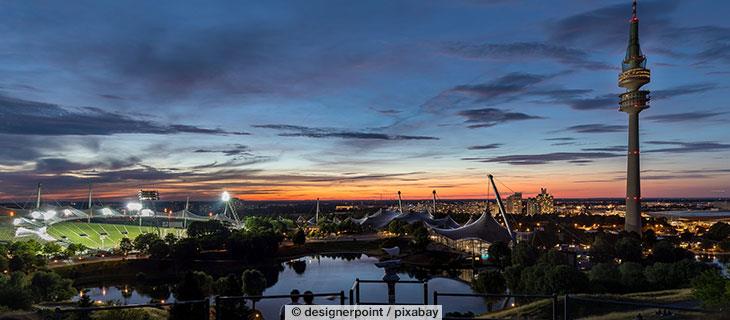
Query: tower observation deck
(633, 76)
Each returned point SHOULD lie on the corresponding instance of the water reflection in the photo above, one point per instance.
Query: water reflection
(321, 273)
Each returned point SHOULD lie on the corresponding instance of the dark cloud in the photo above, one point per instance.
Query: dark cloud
(311, 132)
(60, 165)
(682, 90)
(607, 149)
(524, 50)
(25, 117)
(489, 117)
(236, 150)
(596, 128)
(535, 159)
(684, 116)
(602, 102)
(608, 27)
(502, 86)
(505, 88)
(560, 139)
(688, 147)
(486, 146)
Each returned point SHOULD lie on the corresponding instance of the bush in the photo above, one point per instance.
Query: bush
(712, 289)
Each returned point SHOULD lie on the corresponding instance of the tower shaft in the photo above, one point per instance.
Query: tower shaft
(633, 178)
(633, 76)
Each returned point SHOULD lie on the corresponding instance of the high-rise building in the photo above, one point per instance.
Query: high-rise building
(532, 207)
(633, 76)
(513, 203)
(545, 202)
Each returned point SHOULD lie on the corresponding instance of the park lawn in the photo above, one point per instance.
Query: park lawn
(7, 230)
(91, 234)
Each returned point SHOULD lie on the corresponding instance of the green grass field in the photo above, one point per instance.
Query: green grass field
(90, 234)
(7, 231)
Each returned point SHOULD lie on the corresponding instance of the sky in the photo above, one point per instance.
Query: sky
(357, 99)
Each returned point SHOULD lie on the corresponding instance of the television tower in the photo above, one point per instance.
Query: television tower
(633, 76)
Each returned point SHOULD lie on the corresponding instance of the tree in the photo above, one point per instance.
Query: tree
(500, 252)
(524, 254)
(513, 278)
(629, 249)
(125, 245)
(73, 249)
(185, 250)
(602, 250)
(632, 276)
(397, 227)
(52, 248)
(143, 241)
(299, 237)
(420, 238)
(605, 277)
(254, 282)
(49, 286)
(648, 238)
(712, 289)
(665, 251)
(158, 249)
(718, 231)
(170, 239)
(490, 281)
(194, 286)
(14, 292)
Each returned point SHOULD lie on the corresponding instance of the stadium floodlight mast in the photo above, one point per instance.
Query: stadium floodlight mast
(135, 206)
(226, 198)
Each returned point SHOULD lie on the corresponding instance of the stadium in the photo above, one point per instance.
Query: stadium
(98, 227)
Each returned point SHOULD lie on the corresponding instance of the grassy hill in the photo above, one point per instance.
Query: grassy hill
(91, 234)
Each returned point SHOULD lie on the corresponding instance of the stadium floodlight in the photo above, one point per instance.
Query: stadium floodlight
(146, 213)
(36, 214)
(49, 214)
(225, 196)
(66, 212)
(106, 211)
(134, 206)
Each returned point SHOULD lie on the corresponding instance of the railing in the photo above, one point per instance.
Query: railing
(355, 290)
(554, 299)
(226, 307)
(85, 313)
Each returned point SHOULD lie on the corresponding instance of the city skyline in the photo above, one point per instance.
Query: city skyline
(358, 100)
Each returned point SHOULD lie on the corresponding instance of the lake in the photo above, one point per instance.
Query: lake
(325, 273)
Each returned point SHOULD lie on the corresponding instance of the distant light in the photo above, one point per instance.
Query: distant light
(147, 213)
(225, 196)
(66, 212)
(36, 214)
(134, 206)
(106, 211)
(17, 221)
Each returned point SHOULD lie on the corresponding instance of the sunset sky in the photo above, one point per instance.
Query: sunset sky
(357, 99)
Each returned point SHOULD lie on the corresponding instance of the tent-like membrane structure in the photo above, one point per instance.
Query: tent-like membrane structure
(473, 237)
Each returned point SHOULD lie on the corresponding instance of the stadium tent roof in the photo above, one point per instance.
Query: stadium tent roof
(470, 221)
(181, 214)
(379, 219)
(413, 217)
(485, 229)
